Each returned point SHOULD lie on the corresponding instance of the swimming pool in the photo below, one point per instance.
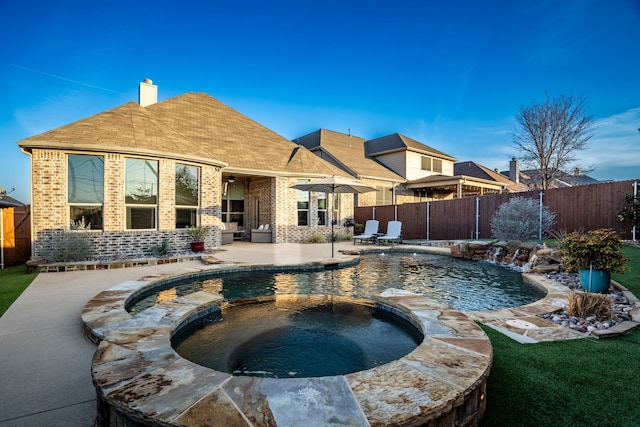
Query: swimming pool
(464, 285)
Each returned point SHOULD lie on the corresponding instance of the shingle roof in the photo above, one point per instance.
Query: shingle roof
(531, 177)
(396, 141)
(128, 128)
(193, 126)
(349, 151)
(238, 140)
(476, 170)
(9, 202)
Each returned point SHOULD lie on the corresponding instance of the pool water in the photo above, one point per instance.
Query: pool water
(462, 284)
(297, 339)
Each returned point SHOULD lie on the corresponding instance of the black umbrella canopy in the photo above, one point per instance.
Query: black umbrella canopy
(334, 184)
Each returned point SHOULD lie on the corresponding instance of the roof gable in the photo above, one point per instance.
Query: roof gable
(398, 142)
(349, 151)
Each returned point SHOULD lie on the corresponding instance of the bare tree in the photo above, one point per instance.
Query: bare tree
(550, 134)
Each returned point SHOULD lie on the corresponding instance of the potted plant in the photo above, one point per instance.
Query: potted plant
(197, 236)
(594, 255)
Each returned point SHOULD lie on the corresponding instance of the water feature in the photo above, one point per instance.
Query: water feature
(464, 285)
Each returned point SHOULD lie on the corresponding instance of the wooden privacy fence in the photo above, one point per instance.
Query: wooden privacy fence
(585, 207)
(15, 236)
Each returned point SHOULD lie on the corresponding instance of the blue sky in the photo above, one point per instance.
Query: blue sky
(451, 74)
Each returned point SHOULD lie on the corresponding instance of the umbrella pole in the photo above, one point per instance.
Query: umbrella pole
(332, 239)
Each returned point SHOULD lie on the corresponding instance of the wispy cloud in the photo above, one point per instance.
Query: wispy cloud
(66, 79)
(615, 146)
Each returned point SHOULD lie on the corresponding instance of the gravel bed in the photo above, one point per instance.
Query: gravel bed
(620, 308)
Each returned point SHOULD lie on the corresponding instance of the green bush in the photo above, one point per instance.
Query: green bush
(315, 238)
(519, 219)
(163, 249)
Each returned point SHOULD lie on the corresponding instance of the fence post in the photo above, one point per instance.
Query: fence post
(635, 198)
(540, 217)
(428, 220)
(477, 218)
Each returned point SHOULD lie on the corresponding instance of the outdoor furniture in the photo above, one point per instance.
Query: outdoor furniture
(394, 233)
(370, 231)
(228, 230)
(262, 234)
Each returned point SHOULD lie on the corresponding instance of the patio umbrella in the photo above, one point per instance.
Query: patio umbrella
(334, 184)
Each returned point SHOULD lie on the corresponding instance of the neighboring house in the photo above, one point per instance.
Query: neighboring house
(348, 153)
(402, 169)
(475, 170)
(9, 202)
(531, 178)
(140, 173)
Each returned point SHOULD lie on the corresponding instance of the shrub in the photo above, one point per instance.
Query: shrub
(70, 245)
(586, 304)
(519, 219)
(599, 249)
(315, 238)
(163, 249)
(342, 237)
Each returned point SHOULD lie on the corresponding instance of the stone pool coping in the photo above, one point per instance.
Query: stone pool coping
(139, 378)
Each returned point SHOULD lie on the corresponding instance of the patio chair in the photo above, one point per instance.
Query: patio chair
(370, 231)
(394, 233)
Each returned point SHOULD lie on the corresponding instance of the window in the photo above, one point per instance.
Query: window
(322, 209)
(383, 195)
(141, 193)
(336, 207)
(186, 195)
(431, 164)
(303, 204)
(437, 165)
(426, 163)
(85, 189)
(233, 203)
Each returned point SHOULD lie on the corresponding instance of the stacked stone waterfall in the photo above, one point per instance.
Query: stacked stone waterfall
(530, 256)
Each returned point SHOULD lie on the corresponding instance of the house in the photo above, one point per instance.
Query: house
(531, 178)
(401, 169)
(138, 174)
(9, 202)
(347, 152)
(475, 170)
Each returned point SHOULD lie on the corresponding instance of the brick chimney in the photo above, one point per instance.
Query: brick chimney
(147, 93)
(514, 170)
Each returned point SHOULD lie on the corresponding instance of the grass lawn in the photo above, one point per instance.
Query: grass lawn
(586, 382)
(13, 280)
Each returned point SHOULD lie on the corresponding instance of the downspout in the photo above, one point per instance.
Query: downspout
(32, 245)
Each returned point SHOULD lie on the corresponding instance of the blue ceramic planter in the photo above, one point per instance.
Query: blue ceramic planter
(595, 280)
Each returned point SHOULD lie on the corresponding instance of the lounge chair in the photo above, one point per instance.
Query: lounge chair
(394, 233)
(370, 231)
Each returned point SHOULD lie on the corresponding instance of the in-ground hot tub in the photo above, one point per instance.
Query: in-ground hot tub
(141, 379)
(292, 337)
